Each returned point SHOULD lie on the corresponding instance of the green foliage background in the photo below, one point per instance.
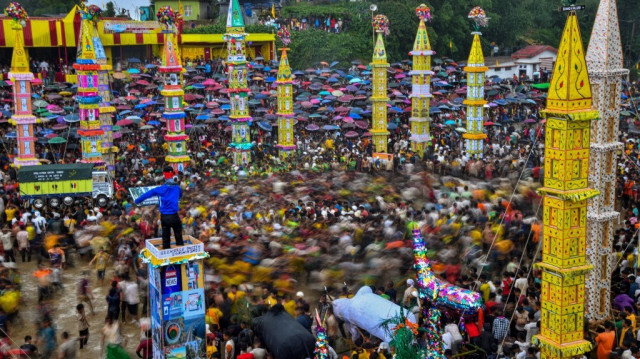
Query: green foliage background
(513, 24)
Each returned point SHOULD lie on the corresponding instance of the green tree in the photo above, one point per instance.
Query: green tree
(110, 10)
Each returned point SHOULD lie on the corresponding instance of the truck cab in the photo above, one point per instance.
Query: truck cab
(102, 187)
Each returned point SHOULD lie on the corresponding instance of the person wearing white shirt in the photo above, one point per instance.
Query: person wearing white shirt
(131, 296)
(631, 353)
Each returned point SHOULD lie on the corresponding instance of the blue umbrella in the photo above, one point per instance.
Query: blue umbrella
(450, 122)
(35, 95)
(391, 126)
(334, 63)
(332, 80)
(140, 106)
(396, 109)
(198, 105)
(434, 110)
(225, 107)
(355, 80)
(198, 86)
(10, 135)
(298, 73)
(265, 125)
(354, 116)
(270, 79)
(125, 112)
(133, 60)
(267, 68)
(133, 71)
(154, 123)
(260, 96)
(149, 66)
(73, 117)
(330, 127)
(202, 117)
(6, 113)
(149, 103)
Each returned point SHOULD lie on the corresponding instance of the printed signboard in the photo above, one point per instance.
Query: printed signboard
(139, 191)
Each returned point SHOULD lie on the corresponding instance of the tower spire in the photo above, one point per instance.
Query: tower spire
(475, 69)
(604, 61)
(284, 81)
(421, 83)
(565, 193)
(379, 97)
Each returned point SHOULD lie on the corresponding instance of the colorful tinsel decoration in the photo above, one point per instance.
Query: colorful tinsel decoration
(434, 348)
(423, 12)
(381, 24)
(440, 293)
(166, 16)
(322, 346)
(480, 18)
(284, 36)
(92, 13)
(17, 13)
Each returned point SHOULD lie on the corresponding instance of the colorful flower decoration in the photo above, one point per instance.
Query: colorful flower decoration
(381, 24)
(480, 18)
(423, 12)
(92, 13)
(284, 36)
(166, 16)
(322, 347)
(17, 13)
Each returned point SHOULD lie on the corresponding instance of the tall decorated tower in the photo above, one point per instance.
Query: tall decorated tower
(22, 117)
(238, 89)
(565, 193)
(379, 97)
(475, 69)
(106, 110)
(88, 98)
(93, 76)
(286, 143)
(604, 61)
(172, 91)
(421, 83)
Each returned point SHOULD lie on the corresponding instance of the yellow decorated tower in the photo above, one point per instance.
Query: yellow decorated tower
(565, 193)
(604, 61)
(421, 84)
(379, 97)
(284, 81)
(22, 117)
(475, 69)
(238, 90)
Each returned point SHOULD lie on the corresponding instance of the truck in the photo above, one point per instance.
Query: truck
(63, 184)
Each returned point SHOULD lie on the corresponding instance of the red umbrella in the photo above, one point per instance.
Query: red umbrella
(143, 82)
(124, 122)
(362, 124)
(489, 123)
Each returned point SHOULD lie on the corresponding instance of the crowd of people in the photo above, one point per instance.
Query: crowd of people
(303, 232)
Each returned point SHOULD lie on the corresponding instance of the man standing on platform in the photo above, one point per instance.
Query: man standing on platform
(169, 194)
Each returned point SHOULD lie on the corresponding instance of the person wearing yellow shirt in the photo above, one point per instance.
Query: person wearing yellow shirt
(235, 294)
(632, 317)
(289, 305)
(10, 212)
(485, 288)
(213, 315)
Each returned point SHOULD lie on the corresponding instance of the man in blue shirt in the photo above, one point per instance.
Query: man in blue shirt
(169, 194)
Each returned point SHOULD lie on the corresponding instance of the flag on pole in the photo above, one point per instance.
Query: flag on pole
(273, 10)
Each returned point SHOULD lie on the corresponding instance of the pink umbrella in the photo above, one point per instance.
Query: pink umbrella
(52, 107)
(124, 122)
(306, 104)
(51, 135)
(362, 124)
(60, 126)
(212, 104)
(117, 135)
(351, 134)
(314, 101)
(400, 76)
(366, 134)
(208, 82)
(347, 120)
